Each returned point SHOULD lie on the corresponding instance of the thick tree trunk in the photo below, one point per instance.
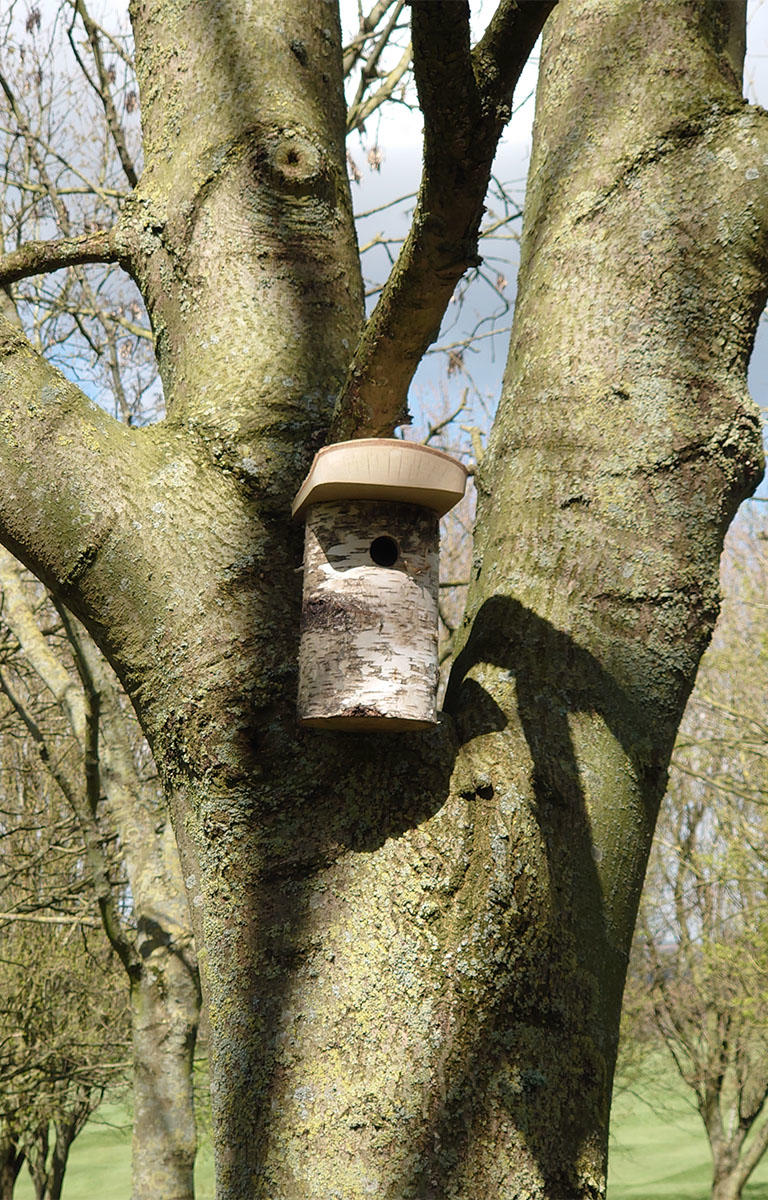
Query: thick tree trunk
(624, 441)
(726, 1186)
(414, 952)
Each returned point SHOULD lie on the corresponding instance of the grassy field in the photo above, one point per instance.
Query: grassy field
(658, 1152)
(658, 1148)
(100, 1163)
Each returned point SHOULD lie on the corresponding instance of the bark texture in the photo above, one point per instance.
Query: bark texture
(165, 1008)
(624, 441)
(414, 956)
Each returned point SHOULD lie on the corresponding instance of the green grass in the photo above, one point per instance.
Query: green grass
(99, 1166)
(658, 1147)
(658, 1152)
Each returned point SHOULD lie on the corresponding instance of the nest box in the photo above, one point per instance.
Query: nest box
(368, 655)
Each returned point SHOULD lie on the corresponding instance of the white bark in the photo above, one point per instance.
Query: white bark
(368, 656)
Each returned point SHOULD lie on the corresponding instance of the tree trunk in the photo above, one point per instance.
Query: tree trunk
(65, 1133)
(726, 1186)
(164, 979)
(165, 1006)
(414, 951)
(159, 957)
(165, 1012)
(11, 1161)
(734, 1158)
(624, 441)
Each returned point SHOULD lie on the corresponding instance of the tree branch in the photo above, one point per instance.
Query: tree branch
(354, 51)
(109, 761)
(102, 88)
(124, 788)
(64, 465)
(31, 143)
(360, 111)
(132, 804)
(753, 1153)
(465, 98)
(37, 919)
(502, 52)
(38, 258)
(19, 617)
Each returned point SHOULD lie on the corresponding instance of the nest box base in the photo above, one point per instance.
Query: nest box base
(347, 724)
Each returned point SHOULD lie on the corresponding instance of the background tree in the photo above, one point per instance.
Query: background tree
(64, 699)
(700, 969)
(64, 1028)
(413, 956)
(65, 1039)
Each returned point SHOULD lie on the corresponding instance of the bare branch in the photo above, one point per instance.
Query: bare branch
(33, 150)
(102, 88)
(354, 51)
(39, 919)
(438, 427)
(82, 806)
(38, 258)
(360, 111)
(371, 212)
(465, 98)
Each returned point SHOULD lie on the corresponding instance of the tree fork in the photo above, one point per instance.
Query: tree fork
(414, 960)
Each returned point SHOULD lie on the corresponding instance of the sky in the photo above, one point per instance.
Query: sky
(756, 90)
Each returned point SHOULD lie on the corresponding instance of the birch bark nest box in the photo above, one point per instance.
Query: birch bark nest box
(368, 654)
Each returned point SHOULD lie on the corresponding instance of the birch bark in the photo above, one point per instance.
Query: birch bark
(368, 655)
